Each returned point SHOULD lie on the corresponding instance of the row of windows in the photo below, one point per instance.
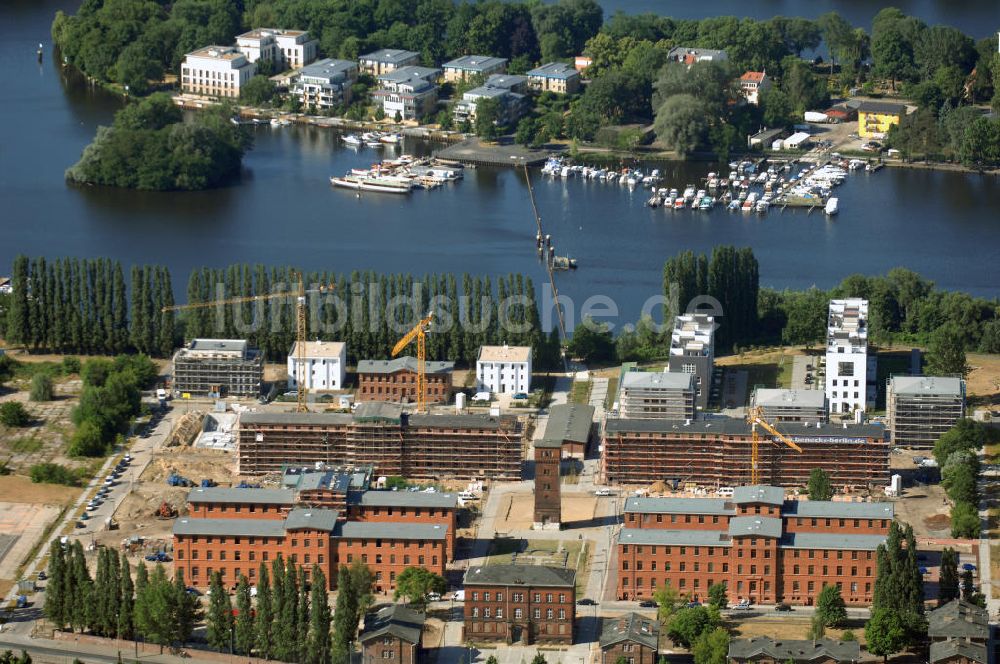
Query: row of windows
(251, 573)
(209, 74)
(392, 559)
(682, 567)
(251, 555)
(710, 551)
(517, 597)
(236, 509)
(550, 614)
(799, 521)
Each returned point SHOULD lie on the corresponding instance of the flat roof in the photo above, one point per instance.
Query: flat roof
(328, 68)
(666, 380)
(759, 493)
(505, 353)
(378, 498)
(471, 421)
(404, 363)
(475, 62)
(765, 526)
(249, 496)
(321, 349)
(659, 536)
(838, 509)
(570, 422)
(410, 73)
(738, 426)
(882, 107)
(270, 32)
(313, 419)
(389, 55)
(559, 70)
(643, 505)
(520, 575)
(219, 345)
(229, 53)
(391, 531)
(913, 386)
(781, 398)
(831, 541)
(507, 81)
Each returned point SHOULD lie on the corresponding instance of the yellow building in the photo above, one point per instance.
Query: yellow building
(875, 118)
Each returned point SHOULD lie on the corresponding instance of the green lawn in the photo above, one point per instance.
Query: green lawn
(577, 555)
(580, 392)
(609, 401)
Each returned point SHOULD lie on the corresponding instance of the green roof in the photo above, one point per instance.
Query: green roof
(630, 627)
(520, 575)
(395, 620)
(797, 651)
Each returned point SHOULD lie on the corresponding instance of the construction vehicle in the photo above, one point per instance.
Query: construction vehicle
(419, 333)
(206, 483)
(165, 511)
(300, 326)
(755, 417)
(173, 479)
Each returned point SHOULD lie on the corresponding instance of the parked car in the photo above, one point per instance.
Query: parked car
(603, 492)
(648, 604)
(742, 606)
(586, 601)
(969, 567)
(42, 575)
(782, 607)
(91, 507)
(520, 396)
(158, 557)
(691, 605)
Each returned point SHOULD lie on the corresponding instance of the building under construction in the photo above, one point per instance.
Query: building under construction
(659, 395)
(218, 367)
(921, 408)
(717, 452)
(381, 435)
(779, 405)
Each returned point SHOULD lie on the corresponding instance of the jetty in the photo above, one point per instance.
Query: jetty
(472, 151)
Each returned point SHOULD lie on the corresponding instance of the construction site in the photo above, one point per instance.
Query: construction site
(430, 447)
(710, 453)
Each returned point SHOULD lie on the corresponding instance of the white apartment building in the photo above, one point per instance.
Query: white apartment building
(216, 71)
(326, 83)
(753, 84)
(850, 372)
(409, 92)
(323, 365)
(502, 88)
(504, 369)
(287, 49)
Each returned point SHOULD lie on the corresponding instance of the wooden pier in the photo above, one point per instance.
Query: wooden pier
(471, 151)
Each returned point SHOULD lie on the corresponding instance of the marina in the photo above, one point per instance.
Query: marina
(399, 176)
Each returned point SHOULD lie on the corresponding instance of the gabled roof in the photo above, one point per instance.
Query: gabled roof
(404, 499)
(234, 496)
(630, 627)
(958, 618)
(759, 493)
(831, 541)
(714, 506)
(752, 526)
(570, 422)
(660, 536)
(520, 575)
(837, 509)
(943, 650)
(885, 107)
(391, 531)
(797, 651)
(312, 519)
(395, 620)
(230, 527)
(404, 363)
(753, 76)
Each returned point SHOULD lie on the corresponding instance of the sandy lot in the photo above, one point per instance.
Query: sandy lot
(515, 512)
(20, 489)
(984, 379)
(788, 626)
(27, 523)
(926, 510)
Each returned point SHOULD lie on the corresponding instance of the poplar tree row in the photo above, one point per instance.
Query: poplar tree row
(82, 306)
(153, 608)
(368, 311)
(897, 617)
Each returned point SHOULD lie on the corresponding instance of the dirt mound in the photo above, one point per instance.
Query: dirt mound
(938, 522)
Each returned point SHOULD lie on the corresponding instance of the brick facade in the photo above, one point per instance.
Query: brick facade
(548, 500)
(519, 604)
(396, 380)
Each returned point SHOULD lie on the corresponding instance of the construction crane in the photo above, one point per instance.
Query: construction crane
(755, 417)
(301, 318)
(419, 333)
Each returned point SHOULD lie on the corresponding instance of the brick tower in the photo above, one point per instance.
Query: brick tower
(548, 506)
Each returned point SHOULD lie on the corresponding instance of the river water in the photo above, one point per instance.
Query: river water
(283, 211)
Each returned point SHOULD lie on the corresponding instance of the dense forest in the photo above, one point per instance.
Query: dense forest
(149, 146)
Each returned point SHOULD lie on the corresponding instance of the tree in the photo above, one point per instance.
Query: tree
(258, 91)
(968, 586)
(591, 342)
(948, 582)
(682, 123)
(41, 387)
(717, 596)
(848, 635)
(186, 608)
(830, 607)
(487, 118)
(711, 647)
(885, 633)
(126, 615)
(946, 354)
(539, 658)
(820, 487)
(13, 414)
(319, 649)
(243, 627)
(966, 435)
(688, 623)
(58, 590)
(220, 615)
(965, 521)
(817, 630)
(263, 638)
(667, 600)
(959, 477)
(416, 583)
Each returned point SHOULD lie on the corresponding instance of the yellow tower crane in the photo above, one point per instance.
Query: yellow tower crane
(418, 332)
(300, 325)
(755, 417)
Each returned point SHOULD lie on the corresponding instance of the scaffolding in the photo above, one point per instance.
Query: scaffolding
(920, 409)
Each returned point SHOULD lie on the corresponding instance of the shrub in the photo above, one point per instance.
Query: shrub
(71, 365)
(87, 441)
(41, 388)
(53, 473)
(13, 414)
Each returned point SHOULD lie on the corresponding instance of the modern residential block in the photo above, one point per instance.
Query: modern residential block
(920, 409)
(386, 60)
(326, 83)
(396, 380)
(461, 69)
(407, 93)
(519, 604)
(323, 365)
(506, 90)
(218, 367)
(764, 548)
(657, 395)
(557, 77)
(692, 351)
(779, 405)
(216, 71)
(504, 369)
(850, 372)
(287, 49)
(689, 55)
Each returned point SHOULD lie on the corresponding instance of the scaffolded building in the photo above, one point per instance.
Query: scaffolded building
(778, 405)
(717, 452)
(658, 395)
(218, 367)
(921, 408)
(382, 436)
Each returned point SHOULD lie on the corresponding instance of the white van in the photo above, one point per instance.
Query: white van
(724, 491)
(467, 495)
(481, 396)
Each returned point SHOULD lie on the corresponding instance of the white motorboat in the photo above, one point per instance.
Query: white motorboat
(378, 183)
(832, 206)
(350, 139)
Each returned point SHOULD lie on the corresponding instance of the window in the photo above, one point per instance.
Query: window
(518, 614)
(538, 614)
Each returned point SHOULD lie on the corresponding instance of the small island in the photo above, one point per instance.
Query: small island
(149, 146)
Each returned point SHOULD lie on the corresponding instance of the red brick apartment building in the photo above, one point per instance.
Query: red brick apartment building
(381, 435)
(764, 548)
(519, 604)
(632, 636)
(393, 634)
(716, 452)
(234, 530)
(396, 380)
